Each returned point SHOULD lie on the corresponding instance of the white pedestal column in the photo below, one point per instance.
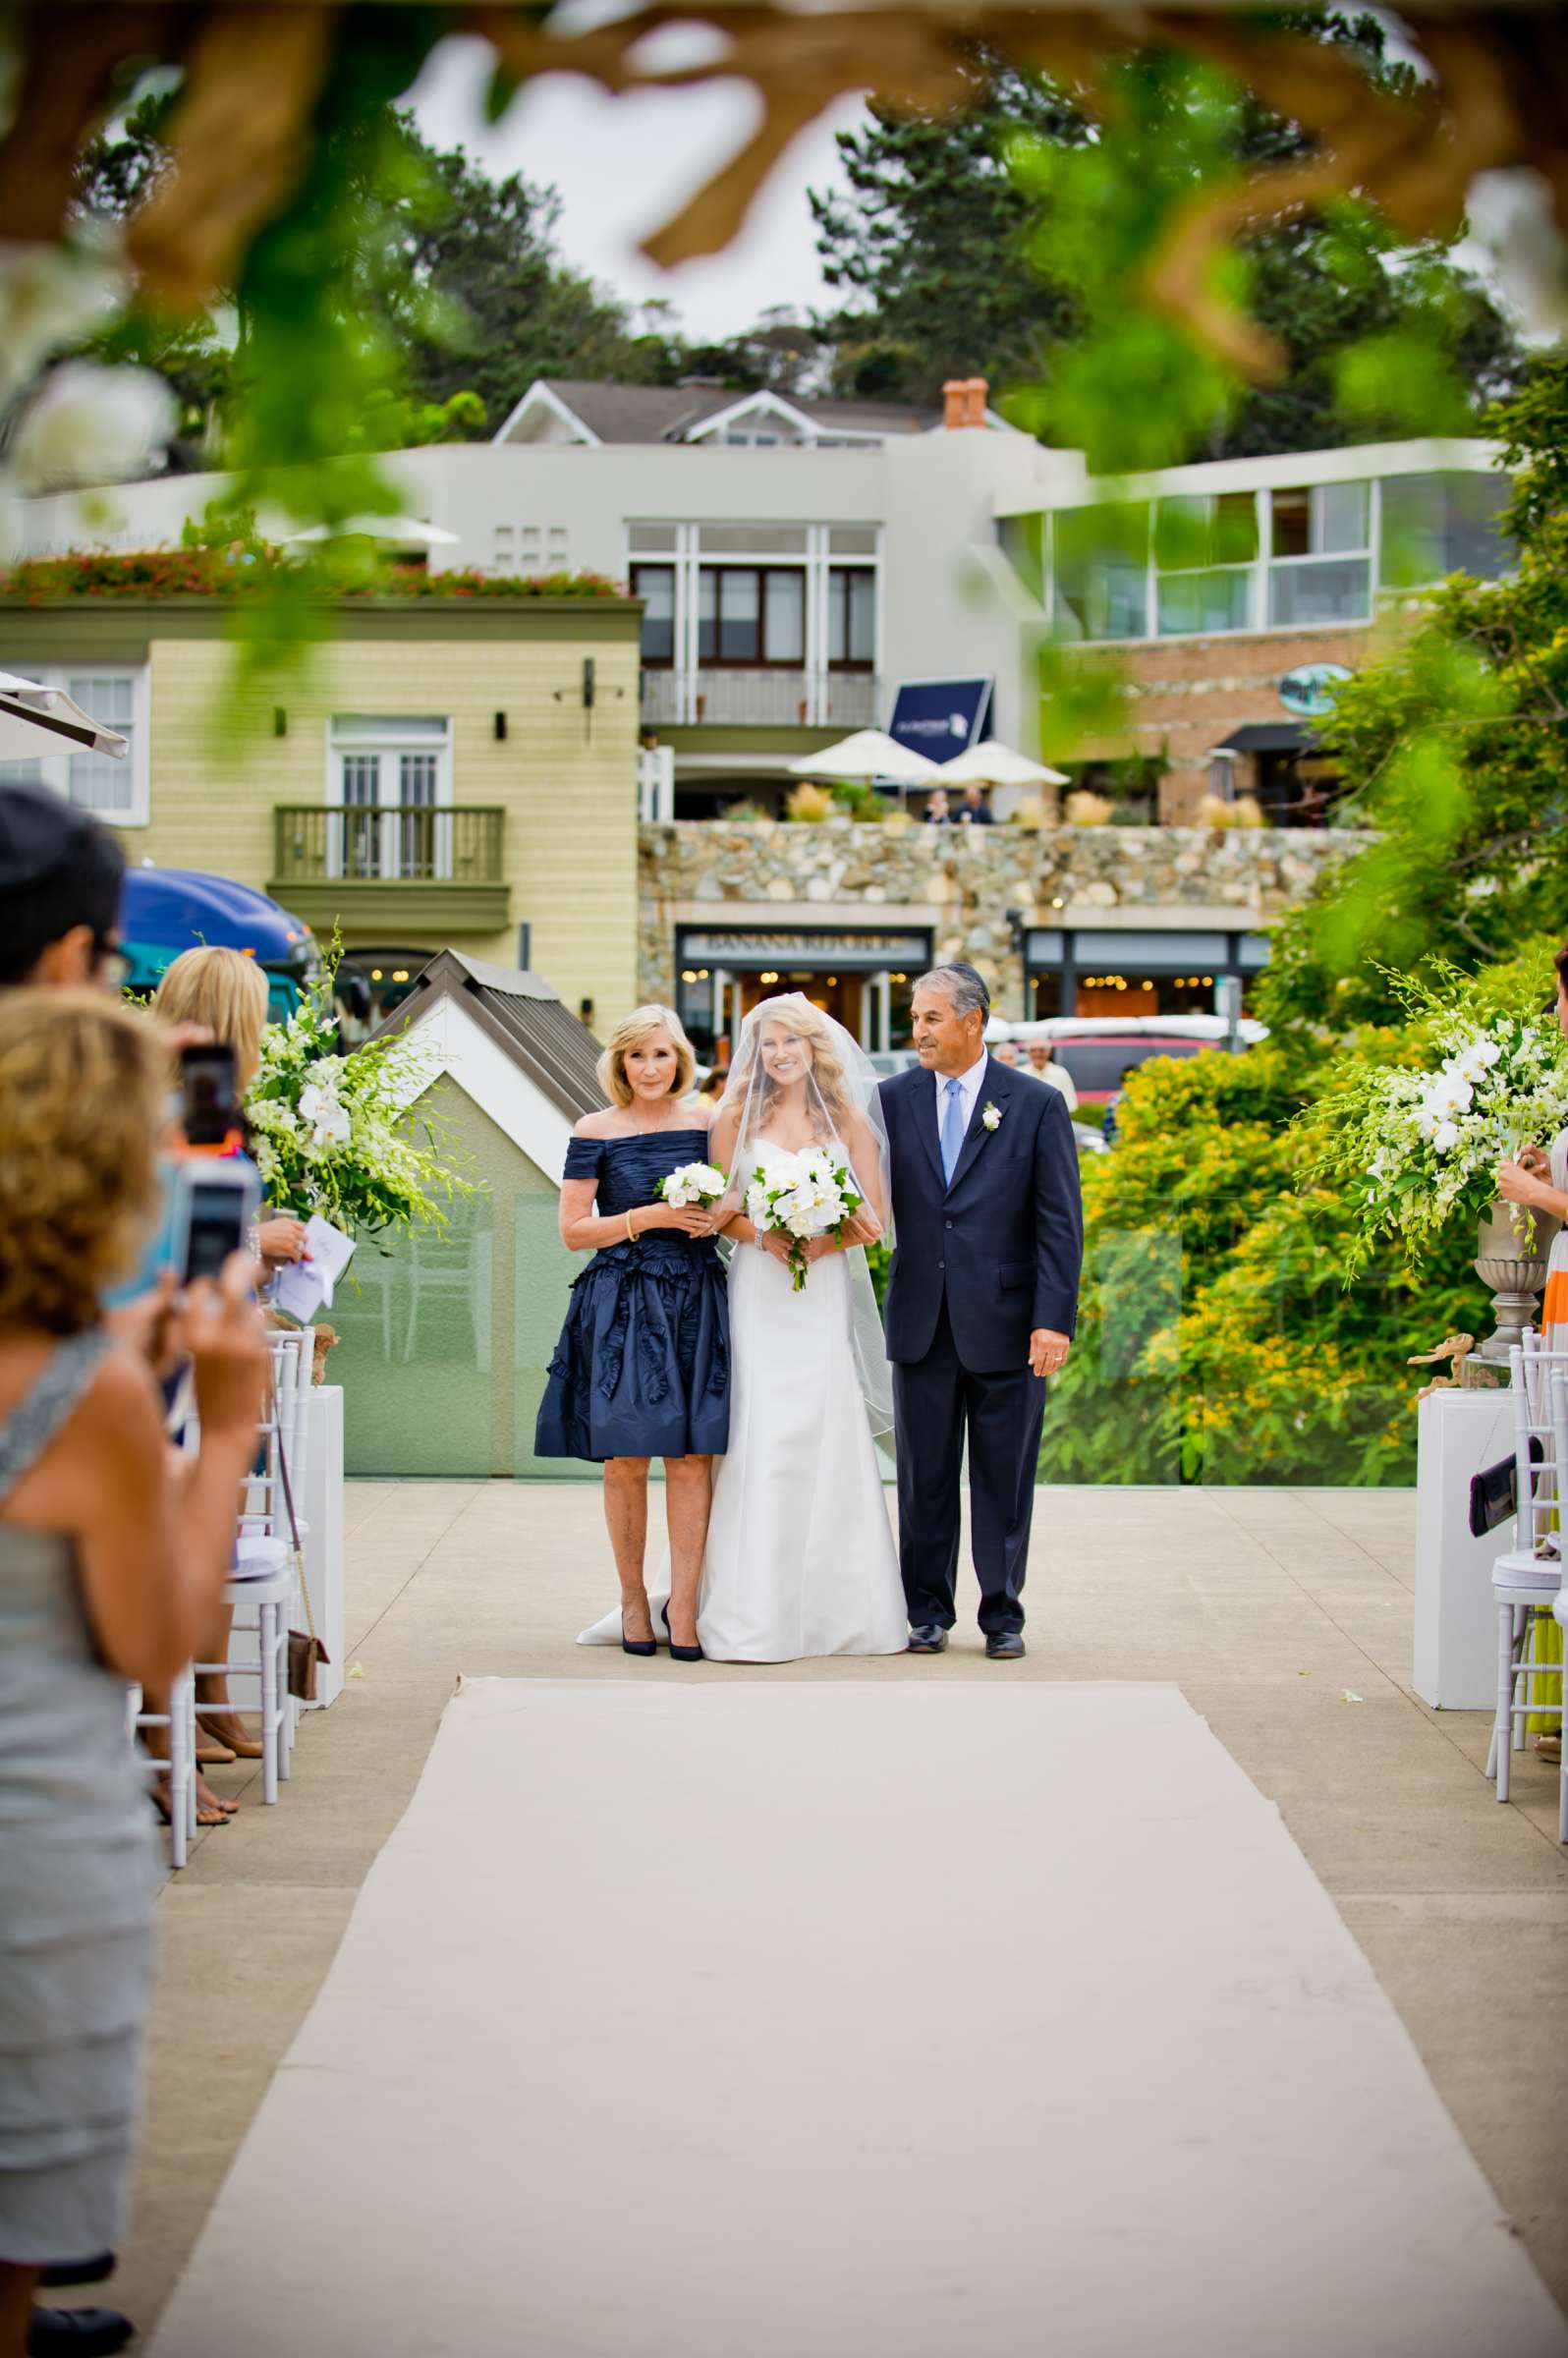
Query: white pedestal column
(1456, 1620)
(323, 1545)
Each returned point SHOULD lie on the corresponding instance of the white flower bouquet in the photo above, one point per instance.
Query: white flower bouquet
(344, 1135)
(694, 1183)
(1414, 1145)
(801, 1196)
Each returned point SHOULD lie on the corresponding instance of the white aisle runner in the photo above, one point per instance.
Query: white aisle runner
(715, 2018)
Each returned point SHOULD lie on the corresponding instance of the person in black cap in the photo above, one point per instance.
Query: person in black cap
(60, 878)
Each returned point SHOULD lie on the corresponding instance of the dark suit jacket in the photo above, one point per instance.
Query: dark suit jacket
(1004, 1244)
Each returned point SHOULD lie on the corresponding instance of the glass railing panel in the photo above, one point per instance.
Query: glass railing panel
(1320, 589)
(1216, 600)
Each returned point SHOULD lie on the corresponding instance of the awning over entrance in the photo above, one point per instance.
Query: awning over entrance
(1268, 737)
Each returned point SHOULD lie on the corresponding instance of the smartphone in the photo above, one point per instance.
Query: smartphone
(210, 1102)
(212, 1207)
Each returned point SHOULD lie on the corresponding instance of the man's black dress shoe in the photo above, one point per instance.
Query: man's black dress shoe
(91, 2270)
(928, 1638)
(1006, 1646)
(77, 2332)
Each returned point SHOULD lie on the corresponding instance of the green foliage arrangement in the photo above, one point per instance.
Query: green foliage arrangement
(1413, 1142)
(345, 1135)
(244, 571)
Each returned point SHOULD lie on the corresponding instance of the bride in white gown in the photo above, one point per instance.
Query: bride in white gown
(800, 1556)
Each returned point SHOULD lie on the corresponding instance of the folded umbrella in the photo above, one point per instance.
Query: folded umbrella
(35, 721)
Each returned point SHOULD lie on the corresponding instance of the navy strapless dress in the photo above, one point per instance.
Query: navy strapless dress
(643, 1365)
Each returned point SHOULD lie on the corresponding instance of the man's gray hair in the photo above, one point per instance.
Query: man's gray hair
(962, 985)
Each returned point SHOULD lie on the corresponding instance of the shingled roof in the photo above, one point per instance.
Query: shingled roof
(522, 1014)
(673, 413)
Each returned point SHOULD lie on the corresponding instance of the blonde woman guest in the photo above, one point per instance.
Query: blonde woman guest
(110, 1564)
(224, 994)
(219, 991)
(642, 1369)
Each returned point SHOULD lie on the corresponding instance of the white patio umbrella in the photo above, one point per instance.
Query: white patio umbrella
(379, 528)
(34, 719)
(861, 759)
(995, 764)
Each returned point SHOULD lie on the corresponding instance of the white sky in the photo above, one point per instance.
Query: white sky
(623, 165)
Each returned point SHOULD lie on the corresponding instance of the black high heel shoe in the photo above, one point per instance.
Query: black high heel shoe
(643, 1646)
(680, 1653)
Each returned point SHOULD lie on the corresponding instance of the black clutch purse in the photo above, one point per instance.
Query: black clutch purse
(1494, 1491)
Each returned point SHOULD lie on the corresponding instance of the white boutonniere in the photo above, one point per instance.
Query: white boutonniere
(992, 1116)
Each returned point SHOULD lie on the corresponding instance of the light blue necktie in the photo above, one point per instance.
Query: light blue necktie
(952, 1129)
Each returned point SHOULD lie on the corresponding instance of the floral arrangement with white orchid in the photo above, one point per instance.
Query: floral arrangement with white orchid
(801, 1196)
(1414, 1145)
(347, 1136)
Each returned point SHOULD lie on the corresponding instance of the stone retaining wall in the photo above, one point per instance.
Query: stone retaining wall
(962, 881)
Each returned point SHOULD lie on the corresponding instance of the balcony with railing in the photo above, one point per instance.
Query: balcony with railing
(428, 864)
(760, 697)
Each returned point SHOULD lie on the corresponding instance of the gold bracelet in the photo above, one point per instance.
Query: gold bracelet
(630, 1232)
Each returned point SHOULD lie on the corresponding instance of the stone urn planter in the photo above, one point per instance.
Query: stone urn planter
(1514, 1275)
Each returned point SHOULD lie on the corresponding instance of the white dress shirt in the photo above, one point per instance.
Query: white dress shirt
(969, 1088)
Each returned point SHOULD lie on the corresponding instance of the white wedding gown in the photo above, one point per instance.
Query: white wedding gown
(800, 1553)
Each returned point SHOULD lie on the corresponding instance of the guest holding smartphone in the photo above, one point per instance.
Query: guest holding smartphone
(111, 1563)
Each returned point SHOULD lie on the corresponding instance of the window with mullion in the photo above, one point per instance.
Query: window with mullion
(752, 617)
(851, 618)
(656, 585)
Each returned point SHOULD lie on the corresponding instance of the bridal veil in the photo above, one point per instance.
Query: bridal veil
(845, 1111)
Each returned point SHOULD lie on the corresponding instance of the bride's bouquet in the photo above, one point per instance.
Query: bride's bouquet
(694, 1183)
(803, 1196)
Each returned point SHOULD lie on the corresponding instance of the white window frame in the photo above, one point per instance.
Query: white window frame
(54, 769)
(389, 739)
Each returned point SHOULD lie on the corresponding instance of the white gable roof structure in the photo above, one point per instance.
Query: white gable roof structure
(510, 1045)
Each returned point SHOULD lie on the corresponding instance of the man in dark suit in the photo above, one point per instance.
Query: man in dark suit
(982, 1302)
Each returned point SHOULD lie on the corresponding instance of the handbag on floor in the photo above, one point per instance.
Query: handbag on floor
(306, 1651)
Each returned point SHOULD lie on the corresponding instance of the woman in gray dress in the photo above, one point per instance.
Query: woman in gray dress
(108, 1571)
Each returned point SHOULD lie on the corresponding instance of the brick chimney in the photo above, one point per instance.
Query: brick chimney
(964, 402)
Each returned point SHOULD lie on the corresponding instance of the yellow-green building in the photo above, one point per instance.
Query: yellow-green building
(439, 772)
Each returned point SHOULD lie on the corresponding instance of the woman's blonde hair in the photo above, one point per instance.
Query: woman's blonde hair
(83, 1086)
(628, 1034)
(796, 1013)
(224, 991)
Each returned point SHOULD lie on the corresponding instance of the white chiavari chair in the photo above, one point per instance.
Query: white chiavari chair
(1527, 1579)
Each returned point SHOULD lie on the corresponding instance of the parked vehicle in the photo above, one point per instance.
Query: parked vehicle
(166, 910)
(1097, 1052)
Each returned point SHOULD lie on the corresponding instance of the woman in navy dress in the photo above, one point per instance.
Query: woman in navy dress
(643, 1366)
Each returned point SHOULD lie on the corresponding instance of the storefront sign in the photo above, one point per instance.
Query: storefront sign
(1308, 690)
(940, 717)
(858, 952)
